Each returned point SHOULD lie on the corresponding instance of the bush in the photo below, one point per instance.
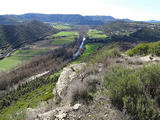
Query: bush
(78, 92)
(136, 91)
(140, 49)
(145, 49)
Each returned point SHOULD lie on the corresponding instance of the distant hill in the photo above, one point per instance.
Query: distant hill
(16, 35)
(154, 21)
(147, 34)
(76, 19)
(64, 18)
(123, 27)
(132, 31)
(105, 19)
(7, 20)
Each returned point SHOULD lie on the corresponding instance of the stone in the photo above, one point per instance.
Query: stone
(61, 116)
(76, 106)
(67, 76)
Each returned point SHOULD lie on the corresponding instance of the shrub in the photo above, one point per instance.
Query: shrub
(78, 92)
(145, 49)
(136, 91)
(140, 49)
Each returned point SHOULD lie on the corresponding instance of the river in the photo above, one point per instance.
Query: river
(80, 47)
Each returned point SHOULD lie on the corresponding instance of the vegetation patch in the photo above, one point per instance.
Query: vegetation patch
(135, 91)
(14, 104)
(64, 37)
(89, 49)
(62, 27)
(93, 33)
(18, 57)
(66, 33)
(63, 40)
(107, 51)
(145, 49)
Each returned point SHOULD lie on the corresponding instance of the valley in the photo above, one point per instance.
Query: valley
(28, 51)
(74, 71)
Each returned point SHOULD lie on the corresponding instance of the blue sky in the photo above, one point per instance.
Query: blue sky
(132, 9)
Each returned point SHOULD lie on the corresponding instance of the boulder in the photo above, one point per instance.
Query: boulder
(67, 76)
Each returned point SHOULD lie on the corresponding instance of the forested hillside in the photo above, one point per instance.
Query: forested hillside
(135, 32)
(16, 35)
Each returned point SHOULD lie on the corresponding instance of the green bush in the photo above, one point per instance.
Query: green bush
(145, 49)
(136, 91)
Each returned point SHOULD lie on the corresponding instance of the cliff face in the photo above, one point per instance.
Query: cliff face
(75, 97)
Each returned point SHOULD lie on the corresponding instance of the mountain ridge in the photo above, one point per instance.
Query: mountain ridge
(76, 19)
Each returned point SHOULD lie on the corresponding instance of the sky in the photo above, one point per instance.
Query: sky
(132, 9)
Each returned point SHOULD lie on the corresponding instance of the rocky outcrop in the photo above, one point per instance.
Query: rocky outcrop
(138, 60)
(68, 75)
(59, 113)
(75, 83)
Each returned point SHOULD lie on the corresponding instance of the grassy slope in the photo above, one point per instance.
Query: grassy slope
(30, 99)
(93, 33)
(89, 49)
(92, 55)
(18, 57)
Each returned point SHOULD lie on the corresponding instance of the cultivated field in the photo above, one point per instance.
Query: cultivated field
(18, 57)
(62, 27)
(64, 37)
(93, 33)
(22, 55)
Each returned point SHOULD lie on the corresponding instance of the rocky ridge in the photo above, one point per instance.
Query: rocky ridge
(74, 81)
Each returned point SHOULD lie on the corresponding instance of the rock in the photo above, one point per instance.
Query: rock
(58, 113)
(67, 76)
(47, 116)
(61, 116)
(76, 106)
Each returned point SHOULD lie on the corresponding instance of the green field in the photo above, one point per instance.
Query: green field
(18, 57)
(66, 33)
(62, 27)
(63, 40)
(93, 33)
(64, 37)
(89, 49)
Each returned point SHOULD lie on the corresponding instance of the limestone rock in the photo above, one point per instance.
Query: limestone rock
(67, 76)
(76, 106)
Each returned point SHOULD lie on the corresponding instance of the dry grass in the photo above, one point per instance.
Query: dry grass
(78, 92)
